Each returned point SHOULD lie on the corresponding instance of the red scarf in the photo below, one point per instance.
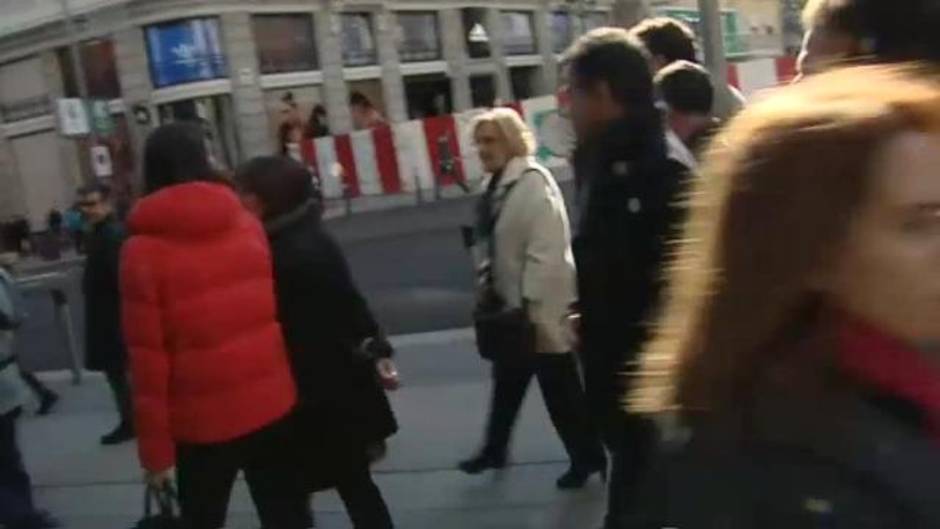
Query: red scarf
(888, 364)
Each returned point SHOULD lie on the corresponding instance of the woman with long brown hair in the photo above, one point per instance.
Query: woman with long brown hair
(796, 360)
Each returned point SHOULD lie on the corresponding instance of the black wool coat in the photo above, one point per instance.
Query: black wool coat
(104, 340)
(325, 319)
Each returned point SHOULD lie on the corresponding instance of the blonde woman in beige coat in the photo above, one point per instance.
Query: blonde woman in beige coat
(522, 221)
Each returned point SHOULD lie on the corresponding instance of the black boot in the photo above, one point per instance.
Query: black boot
(576, 478)
(481, 463)
(122, 434)
(47, 402)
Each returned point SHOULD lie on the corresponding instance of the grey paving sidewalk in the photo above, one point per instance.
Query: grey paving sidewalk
(441, 409)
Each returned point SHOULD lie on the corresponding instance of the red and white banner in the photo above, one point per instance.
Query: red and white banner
(439, 151)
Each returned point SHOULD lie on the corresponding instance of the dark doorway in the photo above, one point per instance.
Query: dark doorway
(483, 91)
(428, 96)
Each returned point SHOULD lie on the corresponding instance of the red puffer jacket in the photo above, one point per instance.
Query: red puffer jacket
(208, 359)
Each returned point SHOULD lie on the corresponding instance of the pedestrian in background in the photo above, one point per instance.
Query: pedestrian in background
(75, 226)
(686, 92)
(104, 340)
(669, 40)
(341, 361)
(212, 384)
(796, 365)
(629, 195)
(522, 229)
(840, 32)
(17, 510)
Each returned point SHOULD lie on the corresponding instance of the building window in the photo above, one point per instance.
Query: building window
(563, 30)
(420, 37)
(518, 33)
(100, 68)
(428, 96)
(476, 32)
(186, 51)
(597, 19)
(483, 91)
(358, 41)
(24, 93)
(286, 43)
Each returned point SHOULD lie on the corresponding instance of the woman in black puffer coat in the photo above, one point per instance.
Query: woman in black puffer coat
(340, 358)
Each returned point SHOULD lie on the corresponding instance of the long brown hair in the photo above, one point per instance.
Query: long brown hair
(771, 205)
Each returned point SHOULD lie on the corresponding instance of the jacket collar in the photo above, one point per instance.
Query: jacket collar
(514, 170)
(280, 223)
(677, 151)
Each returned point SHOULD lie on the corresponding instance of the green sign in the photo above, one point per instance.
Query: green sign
(735, 43)
(101, 120)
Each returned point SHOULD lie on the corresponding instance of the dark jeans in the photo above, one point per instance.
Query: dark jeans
(37, 387)
(121, 390)
(207, 472)
(360, 495)
(16, 496)
(561, 388)
(628, 437)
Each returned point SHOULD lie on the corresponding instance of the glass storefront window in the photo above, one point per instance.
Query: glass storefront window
(357, 39)
(100, 67)
(286, 43)
(186, 51)
(518, 33)
(420, 38)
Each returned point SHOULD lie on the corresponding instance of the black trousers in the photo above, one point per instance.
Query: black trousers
(207, 472)
(121, 391)
(16, 496)
(37, 387)
(564, 396)
(360, 494)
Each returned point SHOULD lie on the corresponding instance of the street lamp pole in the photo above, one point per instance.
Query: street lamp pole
(713, 44)
(78, 71)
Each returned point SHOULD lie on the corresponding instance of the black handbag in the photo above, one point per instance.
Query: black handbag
(504, 334)
(166, 516)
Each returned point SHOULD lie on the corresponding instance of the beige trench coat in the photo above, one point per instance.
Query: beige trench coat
(534, 260)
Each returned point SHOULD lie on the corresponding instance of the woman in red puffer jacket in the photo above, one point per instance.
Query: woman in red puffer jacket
(212, 383)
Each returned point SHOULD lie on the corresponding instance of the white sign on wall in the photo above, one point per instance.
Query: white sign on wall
(101, 160)
(73, 117)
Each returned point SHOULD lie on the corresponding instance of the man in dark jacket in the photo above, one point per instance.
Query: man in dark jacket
(104, 341)
(628, 190)
(339, 356)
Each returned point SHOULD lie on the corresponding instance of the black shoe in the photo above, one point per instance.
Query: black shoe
(37, 520)
(122, 434)
(481, 463)
(47, 402)
(577, 478)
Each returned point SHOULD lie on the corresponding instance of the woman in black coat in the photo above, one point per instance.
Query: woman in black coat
(341, 361)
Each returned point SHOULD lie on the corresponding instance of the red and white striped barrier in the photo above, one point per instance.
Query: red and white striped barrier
(439, 151)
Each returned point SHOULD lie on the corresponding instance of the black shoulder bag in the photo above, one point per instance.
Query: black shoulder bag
(166, 517)
(503, 334)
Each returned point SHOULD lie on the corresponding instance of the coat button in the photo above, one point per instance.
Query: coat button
(817, 506)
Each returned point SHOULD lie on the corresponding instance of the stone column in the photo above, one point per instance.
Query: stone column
(335, 91)
(393, 84)
(250, 114)
(494, 23)
(453, 39)
(543, 35)
(134, 73)
(13, 197)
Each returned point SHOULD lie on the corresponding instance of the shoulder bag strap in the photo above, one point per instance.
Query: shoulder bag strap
(491, 242)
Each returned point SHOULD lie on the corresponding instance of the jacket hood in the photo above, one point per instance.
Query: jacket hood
(193, 210)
